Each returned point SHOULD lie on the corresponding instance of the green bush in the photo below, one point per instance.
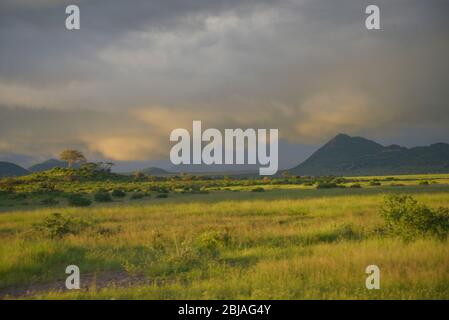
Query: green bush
(258, 189)
(102, 196)
(355, 186)
(56, 225)
(77, 200)
(46, 187)
(326, 185)
(340, 180)
(117, 193)
(209, 243)
(407, 218)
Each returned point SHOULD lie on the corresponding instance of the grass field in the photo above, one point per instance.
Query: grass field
(288, 242)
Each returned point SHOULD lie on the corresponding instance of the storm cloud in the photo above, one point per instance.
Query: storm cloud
(138, 69)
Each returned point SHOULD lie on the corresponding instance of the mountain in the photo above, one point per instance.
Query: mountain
(8, 169)
(47, 165)
(345, 155)
(22, 160)
(155, 171)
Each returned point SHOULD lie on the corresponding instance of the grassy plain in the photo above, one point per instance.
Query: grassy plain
(289, 241)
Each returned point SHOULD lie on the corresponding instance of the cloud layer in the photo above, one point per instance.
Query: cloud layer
(136, 70)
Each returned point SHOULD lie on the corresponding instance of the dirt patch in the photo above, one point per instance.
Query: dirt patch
(88, 282)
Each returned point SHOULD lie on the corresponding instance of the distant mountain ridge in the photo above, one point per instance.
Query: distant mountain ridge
(345, 155)
(8, 169)
(341, 156)
(47, 165)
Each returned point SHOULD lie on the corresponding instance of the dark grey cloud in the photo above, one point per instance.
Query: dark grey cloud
(35, 41)
(307, 67)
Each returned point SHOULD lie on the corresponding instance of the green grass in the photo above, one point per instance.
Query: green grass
(289, 242)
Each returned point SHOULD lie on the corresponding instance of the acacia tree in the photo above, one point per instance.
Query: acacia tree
(72, 156)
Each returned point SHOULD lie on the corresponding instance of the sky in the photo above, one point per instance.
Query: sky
(136, 70)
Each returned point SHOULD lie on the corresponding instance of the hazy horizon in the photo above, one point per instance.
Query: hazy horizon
(296, 154)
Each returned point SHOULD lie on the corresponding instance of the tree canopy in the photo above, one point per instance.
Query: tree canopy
(72, 156)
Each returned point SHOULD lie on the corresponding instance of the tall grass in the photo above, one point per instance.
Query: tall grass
(294, 244)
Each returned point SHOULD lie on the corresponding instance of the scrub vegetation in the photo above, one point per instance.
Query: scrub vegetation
(189, 237)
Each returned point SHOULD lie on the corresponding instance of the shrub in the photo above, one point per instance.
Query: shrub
(258, 189)
(355, 186)
(46, 187)
(77, 200)
(208, 243)
(102, 196)
(424, 183)
(326, 185)
(159, 189)
(340, 180)
(407, 218)
(9, 184)
(56, 225)
(118, 193)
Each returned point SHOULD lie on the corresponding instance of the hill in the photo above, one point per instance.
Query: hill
(8, 169)
(48, 165)
(345, 155)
